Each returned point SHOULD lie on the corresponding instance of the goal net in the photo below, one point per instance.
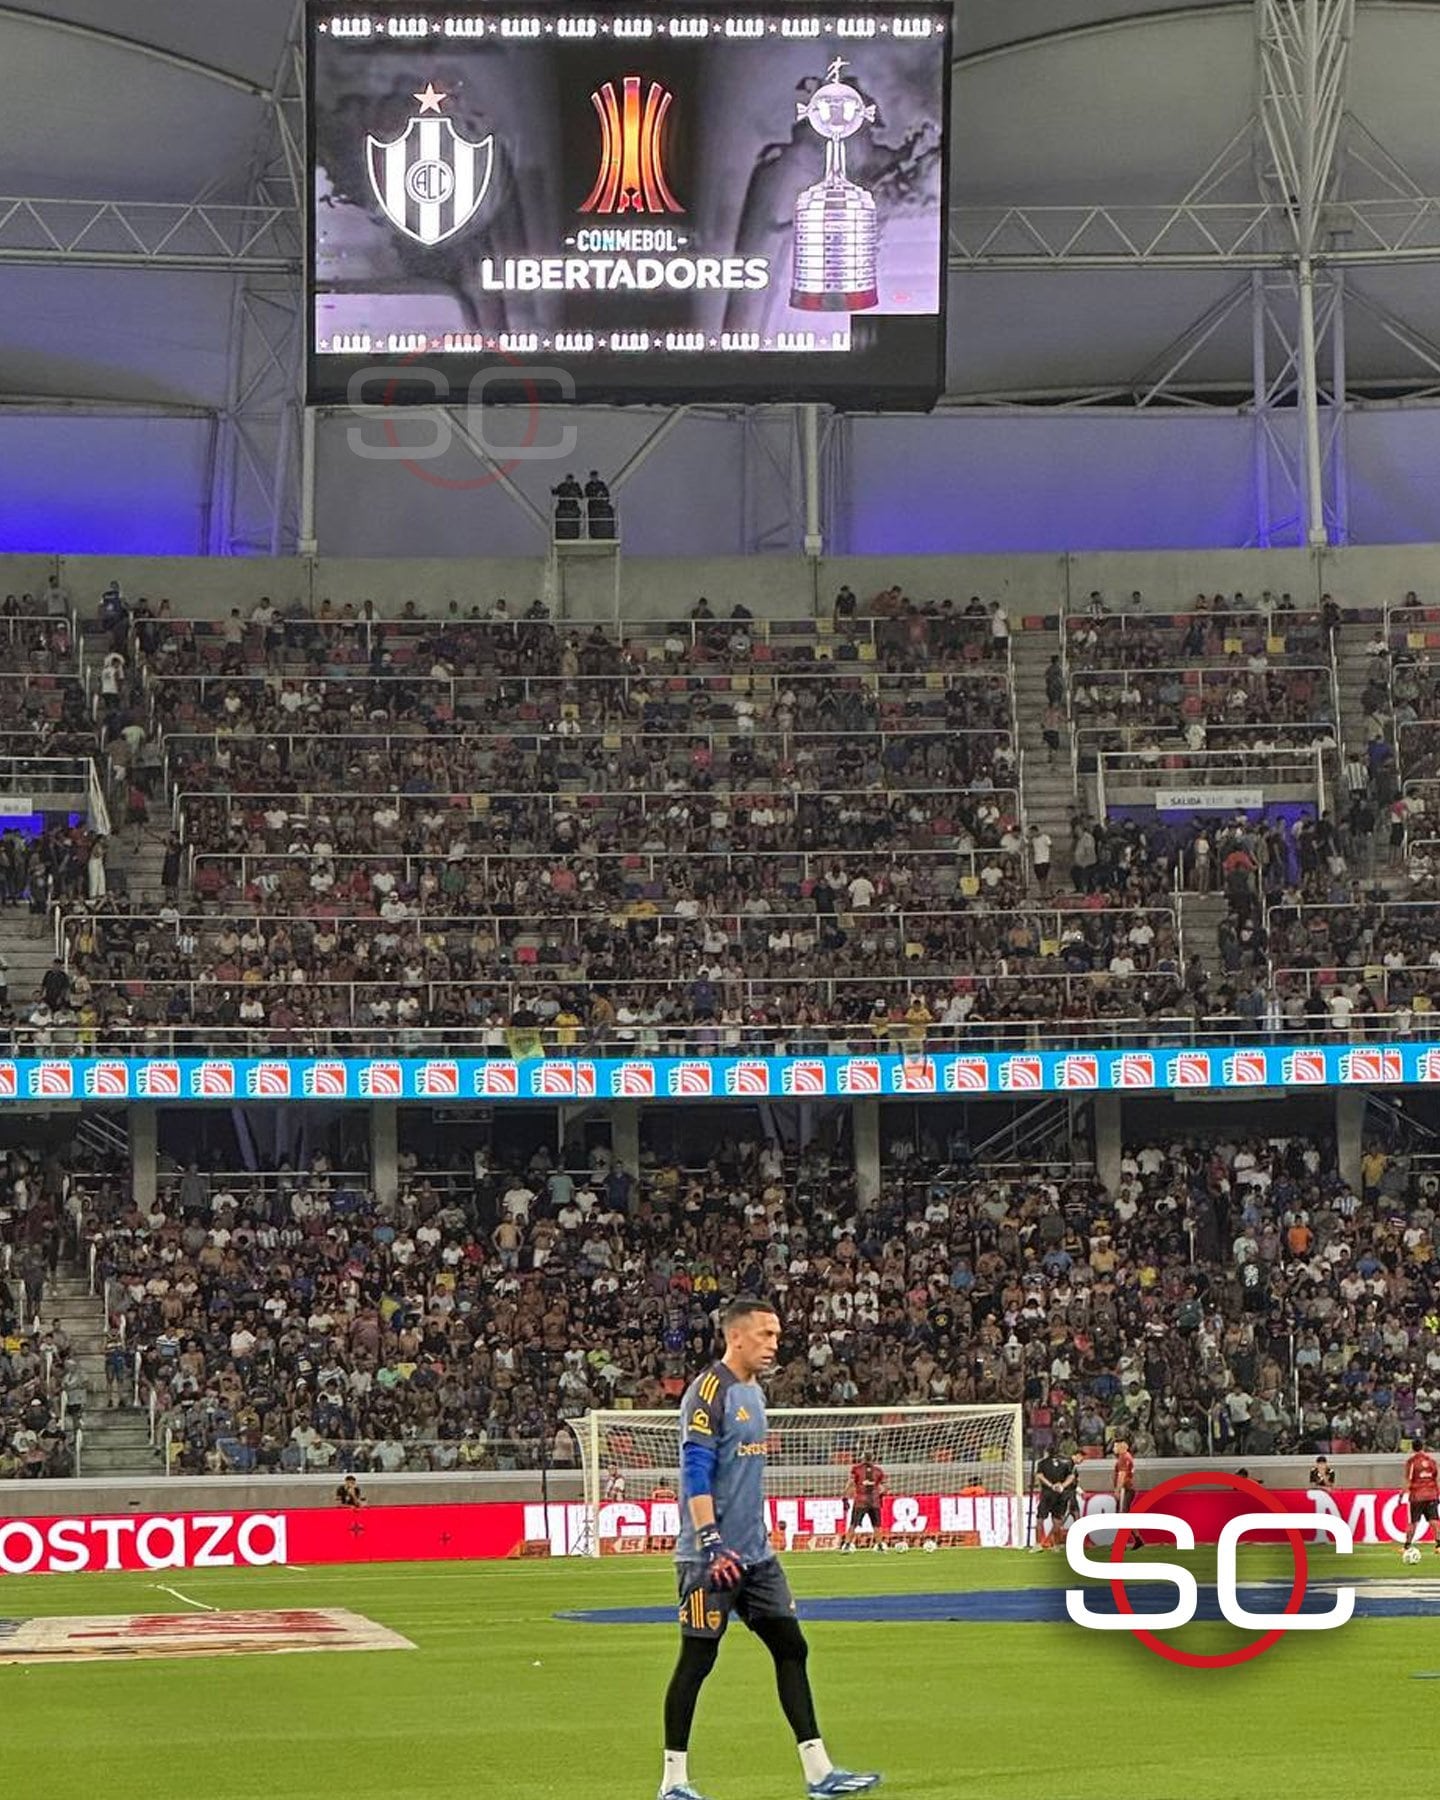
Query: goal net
(953, 1475)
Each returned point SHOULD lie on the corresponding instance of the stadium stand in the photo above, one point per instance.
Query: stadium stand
(1229, 1296)
(705, 836)
(46, 1385)
(711, 833)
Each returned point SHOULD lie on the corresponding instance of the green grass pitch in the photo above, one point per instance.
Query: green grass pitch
(501, 1700)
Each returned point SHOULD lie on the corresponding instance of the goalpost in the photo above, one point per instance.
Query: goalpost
(953, 1475)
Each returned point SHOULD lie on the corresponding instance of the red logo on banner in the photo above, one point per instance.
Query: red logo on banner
(1135, 1070)
(499, 1078)
(967, 1074)
(1080, 1072)
(1191, 1068)
(803, 1078)
(632, 161)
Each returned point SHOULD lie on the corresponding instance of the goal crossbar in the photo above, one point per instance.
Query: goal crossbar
(951, 1472)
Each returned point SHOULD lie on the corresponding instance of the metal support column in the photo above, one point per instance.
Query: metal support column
(254, 505)
(1260, 382)
(810, 442)
(1316, 534)
(1338, 448)
(308, 544)
(1303, 50)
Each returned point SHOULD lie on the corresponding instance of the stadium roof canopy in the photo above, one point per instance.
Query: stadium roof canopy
(1079, 127)
(1057, 103)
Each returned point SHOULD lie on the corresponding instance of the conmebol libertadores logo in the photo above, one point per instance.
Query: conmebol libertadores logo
(1271, 1516)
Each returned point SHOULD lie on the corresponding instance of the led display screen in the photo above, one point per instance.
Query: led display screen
(702, 205)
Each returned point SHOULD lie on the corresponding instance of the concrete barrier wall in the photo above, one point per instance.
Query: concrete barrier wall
(234, 1493)
(772, 586)
(239, 1493)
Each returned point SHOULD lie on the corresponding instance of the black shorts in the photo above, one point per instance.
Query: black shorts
(1053, 1506)
(863, 1510)
(1425, 1509)
(763, 1593)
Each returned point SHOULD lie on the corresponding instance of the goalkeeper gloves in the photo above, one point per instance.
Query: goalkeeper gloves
(723, 1568)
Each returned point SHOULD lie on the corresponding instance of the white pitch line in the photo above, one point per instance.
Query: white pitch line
(200, 1604)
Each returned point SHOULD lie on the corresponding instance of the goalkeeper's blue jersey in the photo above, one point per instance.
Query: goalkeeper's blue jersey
(727, 1415)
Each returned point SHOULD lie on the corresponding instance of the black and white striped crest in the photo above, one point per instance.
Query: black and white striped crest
(430, 182)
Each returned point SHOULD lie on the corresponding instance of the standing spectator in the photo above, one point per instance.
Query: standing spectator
(599, 511)
(117, 1369)
(1040, 856)
(568, 495)
(95, 872)
(1052, 724)
(170, 868)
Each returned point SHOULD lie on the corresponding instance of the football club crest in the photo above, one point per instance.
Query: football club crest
(430, 182)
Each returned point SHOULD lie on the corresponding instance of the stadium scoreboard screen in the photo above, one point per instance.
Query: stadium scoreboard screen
(701, 204)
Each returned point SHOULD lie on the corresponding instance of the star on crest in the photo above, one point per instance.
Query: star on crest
(430, 100)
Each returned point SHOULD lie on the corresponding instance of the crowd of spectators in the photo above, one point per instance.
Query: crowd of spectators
(1228, 1297)
(44, 1390)
(1230, 678)
(722, 825)
(1234, 711)
(1215, 631)
(1235, 1297)
(716, 833)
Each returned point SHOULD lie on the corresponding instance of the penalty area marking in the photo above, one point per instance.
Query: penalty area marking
(199, 1605)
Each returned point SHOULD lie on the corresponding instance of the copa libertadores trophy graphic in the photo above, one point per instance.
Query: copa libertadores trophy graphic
(836, 235)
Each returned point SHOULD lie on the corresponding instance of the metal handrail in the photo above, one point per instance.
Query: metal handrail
(823, 669)
(1374, 976)
(458, 744)
(640, 864)
(553, 924)
(1172, 616)
(304, 801)
(419, 1454)
(1369, 907)
(1299, 754)
(750, 990)
(868, 627)
(1208, 672)
(1090, 740)
(719, 1037)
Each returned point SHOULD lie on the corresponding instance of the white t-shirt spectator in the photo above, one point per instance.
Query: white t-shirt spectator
(517, 1201)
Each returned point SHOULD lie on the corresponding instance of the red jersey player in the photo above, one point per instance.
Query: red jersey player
(865, 1492)
(1422, 1485)
(1124, 1484)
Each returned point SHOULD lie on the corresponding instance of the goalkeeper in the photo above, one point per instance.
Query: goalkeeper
(725, 1560)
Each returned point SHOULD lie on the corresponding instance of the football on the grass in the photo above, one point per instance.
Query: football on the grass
(1412, 1555)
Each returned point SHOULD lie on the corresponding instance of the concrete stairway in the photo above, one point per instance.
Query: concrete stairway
(114, 1443)
(1049, 792)
(28, 946)
(1354, 670)
(138, 868)
(1200, 916)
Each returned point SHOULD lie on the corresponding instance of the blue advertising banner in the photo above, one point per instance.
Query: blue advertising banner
(1291, 1067)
